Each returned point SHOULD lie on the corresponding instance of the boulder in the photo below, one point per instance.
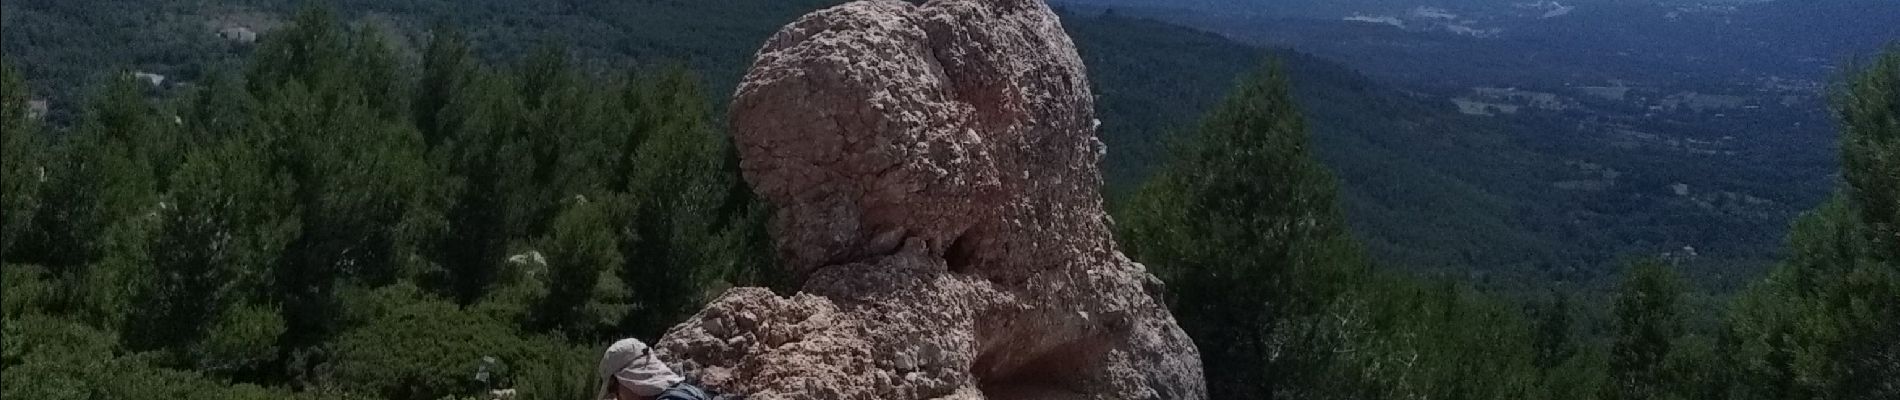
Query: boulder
(933, 175)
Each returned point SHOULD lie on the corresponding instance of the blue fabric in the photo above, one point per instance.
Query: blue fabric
(684, 391)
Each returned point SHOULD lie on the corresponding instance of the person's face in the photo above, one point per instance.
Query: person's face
(621, 392)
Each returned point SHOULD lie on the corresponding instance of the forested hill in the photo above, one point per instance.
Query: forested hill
(73, 43)
(358, 205)
(1426, 187)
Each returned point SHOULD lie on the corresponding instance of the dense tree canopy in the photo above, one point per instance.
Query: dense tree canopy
(327, 220)
(1826, 323)
(1243, 227)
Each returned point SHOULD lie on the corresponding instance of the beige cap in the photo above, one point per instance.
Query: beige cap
(633, 364)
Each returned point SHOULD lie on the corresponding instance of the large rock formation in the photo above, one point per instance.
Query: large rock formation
(933, 172)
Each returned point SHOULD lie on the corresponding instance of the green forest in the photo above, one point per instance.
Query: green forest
(333, 220)
(331, 216)
(1426, 188)
(1245, 226)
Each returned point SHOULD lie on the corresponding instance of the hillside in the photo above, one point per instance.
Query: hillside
(1514, 201)
(73, 46)
(1696, 128)
(1427, 187)
(441, 200)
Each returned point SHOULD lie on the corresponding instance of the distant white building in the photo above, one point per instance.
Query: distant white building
(238, 34)
(155, 80)
(1384, 19)
(37, 108)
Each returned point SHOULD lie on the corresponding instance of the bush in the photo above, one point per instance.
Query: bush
(426, 348)
(241, 340)
(54, 359)
(581, 259)
(24, 289)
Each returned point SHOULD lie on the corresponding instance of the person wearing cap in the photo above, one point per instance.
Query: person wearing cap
(630, 371)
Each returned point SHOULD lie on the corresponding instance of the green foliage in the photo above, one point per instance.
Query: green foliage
(51, 358)
(447, 69)
(105, 173)
(1695, 369)
(1648, 319)
(27, 290)
(425, 348)
(560, 378)
(683, 234)
(1869, 109)
(97, 196)
(580, 254)
(1579, 377)
(559, 120)
(221, 231)
(241, 342)
(749, 245)
(222, 110)
(1791, 326)
(421, 349)
(22, 158)
(1423, 187)
(1554, 329)
(277, 227)
(337, 220)
(334, 121)
(1395, 337)
(1244, 226)
(479, 147)
(1824, 323)
(313, 51)
(55, 350)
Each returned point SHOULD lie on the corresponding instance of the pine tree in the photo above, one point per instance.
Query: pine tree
(335, 122)
(581, 253)
(1788, 328)
(381, 79)
(488, 164)
(1648, 320)
(1826, 323)
(568, 130)
(221, 109)
(22, 161)
(312, 51)
(1869, 109)
(1243, 223)
(447, 69)
(218, 240)
(680, 238)
(1554, 344)
(92, 232)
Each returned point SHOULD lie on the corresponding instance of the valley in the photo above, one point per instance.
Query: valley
(1699, 131)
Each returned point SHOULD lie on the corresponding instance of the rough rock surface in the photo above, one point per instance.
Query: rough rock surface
(933, 172)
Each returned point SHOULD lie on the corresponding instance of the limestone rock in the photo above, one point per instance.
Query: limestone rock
(933, 172)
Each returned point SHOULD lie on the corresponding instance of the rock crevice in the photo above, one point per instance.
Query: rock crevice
(932, 172)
